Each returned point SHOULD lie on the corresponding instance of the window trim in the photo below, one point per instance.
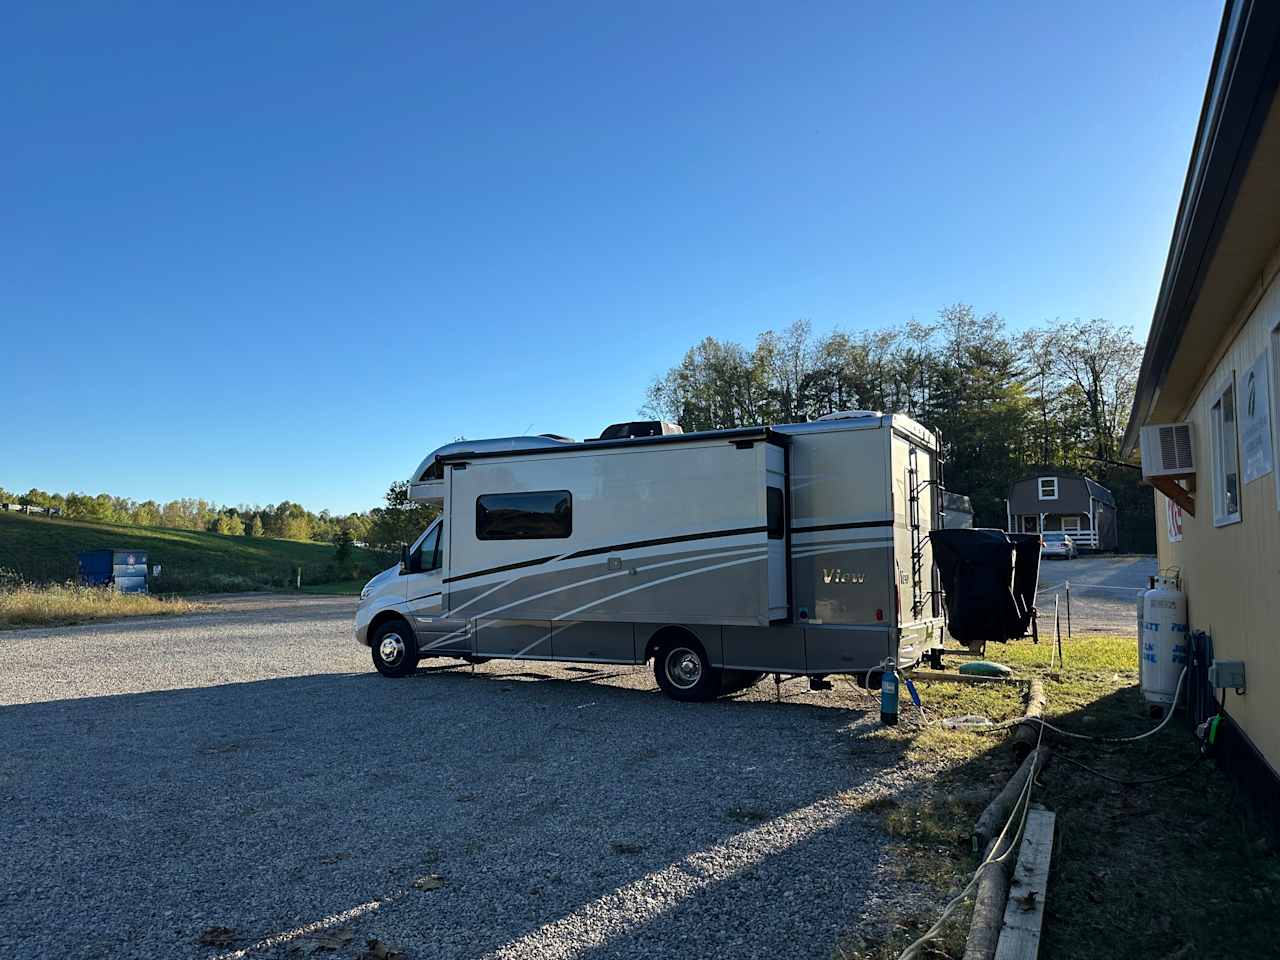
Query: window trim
(567, 494)
(415, 552)
(1040, 487)
(1220, 517)
(1273, 346)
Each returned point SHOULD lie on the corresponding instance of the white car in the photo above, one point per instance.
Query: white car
(1054, 544)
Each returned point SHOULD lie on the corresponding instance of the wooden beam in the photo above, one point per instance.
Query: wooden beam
(1024, 913)
(1175, 492)
(949, 677)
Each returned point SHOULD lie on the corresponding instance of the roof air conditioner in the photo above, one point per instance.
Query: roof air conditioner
(1167, 450)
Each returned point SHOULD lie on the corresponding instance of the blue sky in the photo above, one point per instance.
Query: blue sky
(252, 254)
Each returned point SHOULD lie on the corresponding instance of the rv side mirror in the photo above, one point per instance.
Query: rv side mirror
(404, 558)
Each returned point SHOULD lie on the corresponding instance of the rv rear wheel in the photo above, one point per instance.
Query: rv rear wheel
(395, 649)
(684, 672)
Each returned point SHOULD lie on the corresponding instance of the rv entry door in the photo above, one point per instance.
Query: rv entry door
(437, 635)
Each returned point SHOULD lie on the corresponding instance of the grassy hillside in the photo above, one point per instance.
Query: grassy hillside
(44, 550)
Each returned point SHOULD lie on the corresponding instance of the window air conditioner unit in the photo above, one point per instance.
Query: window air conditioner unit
(1167, 450)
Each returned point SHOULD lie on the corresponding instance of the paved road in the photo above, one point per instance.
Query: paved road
(1103, 592)
(246, 769)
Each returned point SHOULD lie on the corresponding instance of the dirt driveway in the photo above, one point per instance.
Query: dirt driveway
(1103, 593)
(247, 769)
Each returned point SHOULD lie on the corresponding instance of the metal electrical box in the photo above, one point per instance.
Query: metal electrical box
(1227, 675)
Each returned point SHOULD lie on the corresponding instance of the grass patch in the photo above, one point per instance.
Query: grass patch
(1144, 870)
(65, 604)
(44, 550)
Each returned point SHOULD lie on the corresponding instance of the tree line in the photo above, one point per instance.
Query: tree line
(1056, 395)
(382, 528)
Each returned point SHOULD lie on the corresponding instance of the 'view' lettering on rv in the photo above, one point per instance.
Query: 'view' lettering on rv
(798, 549)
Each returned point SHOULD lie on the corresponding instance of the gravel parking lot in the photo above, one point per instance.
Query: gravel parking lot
(247, 769)
(1103, 593)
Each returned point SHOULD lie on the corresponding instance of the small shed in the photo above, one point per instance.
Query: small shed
(125, 570)
(1052, 499)
(957, 511)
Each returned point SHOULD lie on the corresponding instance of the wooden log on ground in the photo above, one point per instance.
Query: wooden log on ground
(988, 905)
(998, 810)
(1027, 733)
(993, 884)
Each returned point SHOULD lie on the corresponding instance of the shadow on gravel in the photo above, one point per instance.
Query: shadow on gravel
(562, 816)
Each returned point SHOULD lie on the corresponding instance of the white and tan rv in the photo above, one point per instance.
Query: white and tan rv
(799, 549)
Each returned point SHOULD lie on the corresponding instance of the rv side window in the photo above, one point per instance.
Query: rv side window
(773, 504)
(427, 556)
(541, 515)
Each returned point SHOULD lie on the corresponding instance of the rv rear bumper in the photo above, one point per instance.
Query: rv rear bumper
(915, 640)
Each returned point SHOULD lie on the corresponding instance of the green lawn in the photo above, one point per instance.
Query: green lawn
(44, 550)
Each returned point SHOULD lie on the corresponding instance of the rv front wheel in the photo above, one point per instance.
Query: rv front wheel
(395, 649)
(684, 673)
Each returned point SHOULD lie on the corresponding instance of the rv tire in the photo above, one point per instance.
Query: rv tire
(394, 649)
(683, 671)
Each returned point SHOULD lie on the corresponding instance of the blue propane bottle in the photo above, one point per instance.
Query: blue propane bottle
(889, 694)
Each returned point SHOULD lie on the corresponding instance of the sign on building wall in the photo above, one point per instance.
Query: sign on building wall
(1173, 520)
(1255, 421)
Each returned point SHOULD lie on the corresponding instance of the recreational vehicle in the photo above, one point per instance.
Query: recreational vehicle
(798, 549)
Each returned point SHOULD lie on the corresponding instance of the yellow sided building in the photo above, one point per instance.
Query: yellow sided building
(1207, 402)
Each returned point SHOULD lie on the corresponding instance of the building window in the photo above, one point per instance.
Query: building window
(538, 515)
(1071, 523)
(1226, 463)
(1048, 488)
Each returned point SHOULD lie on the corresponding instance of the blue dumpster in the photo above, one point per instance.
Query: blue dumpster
(125, 570)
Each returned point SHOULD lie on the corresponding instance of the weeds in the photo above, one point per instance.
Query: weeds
(28, 605)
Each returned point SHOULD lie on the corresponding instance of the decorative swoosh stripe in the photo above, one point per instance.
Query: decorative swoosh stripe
(612, 548)
(859, 525)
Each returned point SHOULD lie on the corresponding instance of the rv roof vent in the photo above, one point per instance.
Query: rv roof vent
(1167, 450)
(639, 428)
(850, 415)
(557, 436)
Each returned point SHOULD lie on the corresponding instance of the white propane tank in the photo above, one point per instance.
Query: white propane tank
(1164, 640)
